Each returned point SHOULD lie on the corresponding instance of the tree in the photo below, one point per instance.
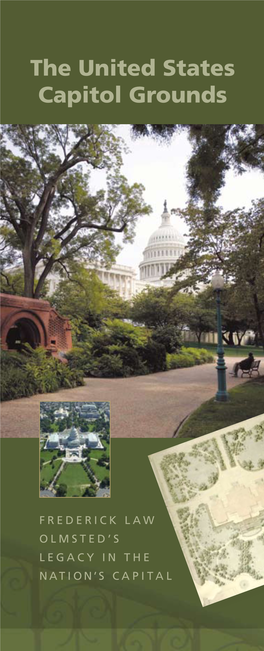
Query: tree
(89, 492)
(120, 333)
(105, 482)
(61, 424)
(86, 301)
(169, 336)
(202, 316)
(45, 424)
(236, 318)
(50, 216)
(151, 307)
(233, 243)
(216, 149)
(160, 306)
(61, 490)
(12, 282)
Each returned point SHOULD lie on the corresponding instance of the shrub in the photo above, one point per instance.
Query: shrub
(188, 357)
(153, 354)
(132, 364)
(201, 355)
(34, 371)
(179, 360)
(109, 366)
(80, 358)
(15, 381)
(169, 336)
(119, 361)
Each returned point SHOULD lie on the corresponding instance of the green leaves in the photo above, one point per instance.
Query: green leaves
(216, 149)
(86, 301)
(47, 201)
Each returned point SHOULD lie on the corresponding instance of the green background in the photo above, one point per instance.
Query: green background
(160, 616)
(193, 31)
(30, 604)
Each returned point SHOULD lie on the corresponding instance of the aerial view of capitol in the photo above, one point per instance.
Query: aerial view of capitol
(74, 449)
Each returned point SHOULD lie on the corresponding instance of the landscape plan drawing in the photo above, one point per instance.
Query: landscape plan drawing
(213, 488)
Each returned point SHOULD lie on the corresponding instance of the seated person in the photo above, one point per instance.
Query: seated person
(244, 365)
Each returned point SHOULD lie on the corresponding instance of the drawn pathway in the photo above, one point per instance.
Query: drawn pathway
(148, 406)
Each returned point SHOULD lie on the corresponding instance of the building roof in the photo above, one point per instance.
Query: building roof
(54, 437)
(92, 437)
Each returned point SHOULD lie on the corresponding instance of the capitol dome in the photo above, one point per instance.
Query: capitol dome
(73, 439)
(164, 248)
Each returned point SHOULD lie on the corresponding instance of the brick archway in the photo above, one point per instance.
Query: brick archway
(23, 331)
(27, 320)
(27, 326)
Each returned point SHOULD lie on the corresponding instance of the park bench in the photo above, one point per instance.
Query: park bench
(253, 369)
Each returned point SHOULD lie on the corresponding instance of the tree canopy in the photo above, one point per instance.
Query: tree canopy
(233, 243)
(216, 148)
(168, 311)
(50, 213)
(159, 306)
(86, 301)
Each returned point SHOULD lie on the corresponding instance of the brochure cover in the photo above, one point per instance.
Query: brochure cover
(132, 323)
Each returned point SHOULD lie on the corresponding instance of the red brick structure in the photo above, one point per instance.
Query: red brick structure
(32, 321)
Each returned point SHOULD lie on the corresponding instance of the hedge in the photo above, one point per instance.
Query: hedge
(188, 357)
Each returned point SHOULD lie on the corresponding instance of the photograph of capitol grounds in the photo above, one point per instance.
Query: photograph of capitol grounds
(214, 492)
(75, 449)
(133, 267)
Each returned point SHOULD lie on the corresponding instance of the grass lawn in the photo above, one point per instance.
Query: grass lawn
(230, 351)
(246, 401)
(100, 471)
(96, 454)
(47, 473)
(75, 491)
(73, 475)
(47, 455)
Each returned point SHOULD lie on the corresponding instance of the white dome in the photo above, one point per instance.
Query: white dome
(164, 247)
(166, 231)
(73, 439)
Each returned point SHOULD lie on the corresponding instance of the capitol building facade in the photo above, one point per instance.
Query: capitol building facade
(164, 248)
(73, 443)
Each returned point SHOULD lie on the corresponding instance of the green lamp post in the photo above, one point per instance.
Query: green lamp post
(221, 394)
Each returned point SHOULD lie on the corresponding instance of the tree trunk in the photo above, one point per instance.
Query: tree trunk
(230, 340)
(258, 315)
(43, 277)
(29, 273)
(240, 337)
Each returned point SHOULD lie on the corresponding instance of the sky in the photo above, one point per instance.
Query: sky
(161, 168)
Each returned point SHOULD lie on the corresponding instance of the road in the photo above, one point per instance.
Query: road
(147, 406)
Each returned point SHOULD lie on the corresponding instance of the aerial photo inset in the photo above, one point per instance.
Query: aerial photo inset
(214, 492)
(74, 449)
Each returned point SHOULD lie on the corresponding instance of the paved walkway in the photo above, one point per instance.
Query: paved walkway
(148, 406)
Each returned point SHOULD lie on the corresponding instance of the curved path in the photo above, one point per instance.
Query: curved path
(147, 406)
